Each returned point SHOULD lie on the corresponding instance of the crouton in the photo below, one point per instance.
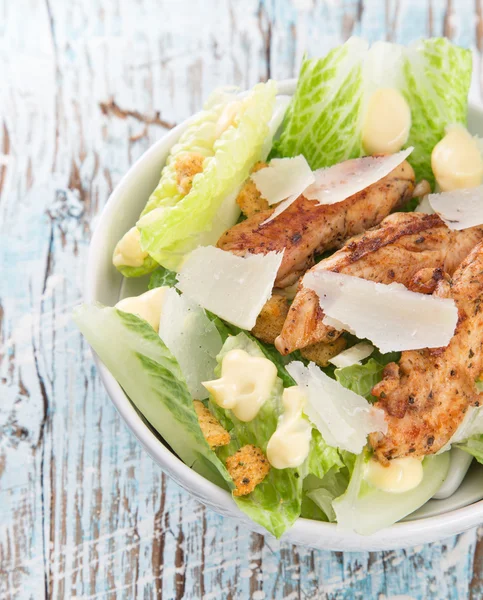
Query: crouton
(271, 319)
(187, 165)
(249, 199)
(248, 467)
(321, 352)
(213, 432)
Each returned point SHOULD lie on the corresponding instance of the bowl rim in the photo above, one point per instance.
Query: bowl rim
(305, 531)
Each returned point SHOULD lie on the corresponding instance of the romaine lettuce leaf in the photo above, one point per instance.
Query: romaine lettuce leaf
(332, 486)
(310, 510)
(192, 338)
(276, 502)
(322, 457)
(474, 446)
(320, 491)
(366, 509)
(199, 138)
(162, 278)
(324, 121)
(469, 435)
(145, 368)
(174, 228)
(362, 378)
(437, 78)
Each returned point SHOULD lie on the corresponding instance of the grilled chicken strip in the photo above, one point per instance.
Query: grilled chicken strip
(426, 395)
(402, 245)
(307, 228)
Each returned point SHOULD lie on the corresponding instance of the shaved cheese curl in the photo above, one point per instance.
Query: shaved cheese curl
(344, 418)
(282, 178)
(459, 209)
(233, 287)
(390, 316)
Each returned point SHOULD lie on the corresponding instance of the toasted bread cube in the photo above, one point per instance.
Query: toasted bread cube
(187, 165)
(249, 199)
(321, 352)
(214, 433)
(271, 319)
(248, 467)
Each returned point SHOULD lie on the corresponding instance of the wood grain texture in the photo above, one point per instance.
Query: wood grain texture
(87, 87)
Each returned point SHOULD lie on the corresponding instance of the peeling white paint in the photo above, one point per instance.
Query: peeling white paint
(77, 492)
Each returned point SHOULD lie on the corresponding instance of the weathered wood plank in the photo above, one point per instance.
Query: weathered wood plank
(84, 512)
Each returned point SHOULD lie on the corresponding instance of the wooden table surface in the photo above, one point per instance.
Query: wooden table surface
(86, 87)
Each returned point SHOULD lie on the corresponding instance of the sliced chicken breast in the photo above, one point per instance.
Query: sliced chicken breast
(308, 228)
(401, 246)
(426, 395)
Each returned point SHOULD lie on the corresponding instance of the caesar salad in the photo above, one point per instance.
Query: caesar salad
(312, 339)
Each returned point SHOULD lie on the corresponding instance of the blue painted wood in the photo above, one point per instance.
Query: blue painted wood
(84, 512)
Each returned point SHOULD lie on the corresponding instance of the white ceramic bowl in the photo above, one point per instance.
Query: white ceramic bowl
(437, 519)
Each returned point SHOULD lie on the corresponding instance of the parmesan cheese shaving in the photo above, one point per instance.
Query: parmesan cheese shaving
(233, 287)
(345, 179)
(424, 206)
(344, 418)
(283, 178)
(351, 176)
(390, 316)
(192, 338)
(352, 356)
(459, 209)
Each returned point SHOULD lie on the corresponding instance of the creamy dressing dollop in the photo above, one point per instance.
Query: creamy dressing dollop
(387, 122)
(147, 306)
(401, 475)
(246, 382)
(456, 160)
(290, 444)
(128, 252)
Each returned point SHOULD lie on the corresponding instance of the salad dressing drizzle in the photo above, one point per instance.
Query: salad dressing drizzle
(246, 382)
(290, 444)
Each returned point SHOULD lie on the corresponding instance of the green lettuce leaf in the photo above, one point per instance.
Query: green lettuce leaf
(162, 277)
(362, 378)
(322, 457)
(199, 137)
(148, 266)
(174, 228)
(321, 490)
(474, 446)
(276, 502)
(437, 76)
(324, 121)
(333, 485)
(310, 510)
(147, 371)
